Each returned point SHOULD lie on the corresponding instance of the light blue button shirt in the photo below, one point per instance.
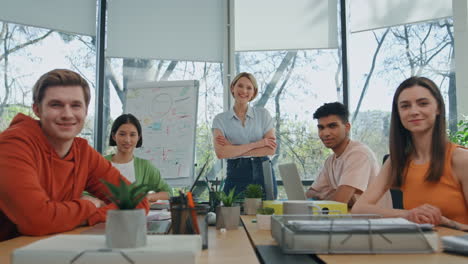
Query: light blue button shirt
(257, 123)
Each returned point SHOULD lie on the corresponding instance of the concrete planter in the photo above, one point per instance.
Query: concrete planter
(263, 222)
(126, 228)
(227, 217)
(251, 205)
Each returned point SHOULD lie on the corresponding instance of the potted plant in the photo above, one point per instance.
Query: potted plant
(228, 214)
(126, 226)
(264, 218)
(253, 198)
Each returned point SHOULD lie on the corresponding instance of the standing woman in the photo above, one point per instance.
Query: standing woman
(429, 169)
(244, 135)
(126, 135)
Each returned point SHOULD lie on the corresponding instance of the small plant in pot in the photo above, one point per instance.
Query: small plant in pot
(264, 218)
(253, 198)
(126, 226)
(228, 214)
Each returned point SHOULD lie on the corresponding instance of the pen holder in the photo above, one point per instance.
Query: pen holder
(213, 201)
(190, 221)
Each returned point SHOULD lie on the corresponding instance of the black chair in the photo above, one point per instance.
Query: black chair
(397, 195)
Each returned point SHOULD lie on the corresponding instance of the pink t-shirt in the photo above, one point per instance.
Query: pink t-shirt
(355, 167)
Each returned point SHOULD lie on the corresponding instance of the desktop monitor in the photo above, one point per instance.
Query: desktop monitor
(292, 181)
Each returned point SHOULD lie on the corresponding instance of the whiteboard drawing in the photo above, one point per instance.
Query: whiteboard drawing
(167, 112)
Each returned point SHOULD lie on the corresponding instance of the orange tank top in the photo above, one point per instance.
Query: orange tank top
(447, 194)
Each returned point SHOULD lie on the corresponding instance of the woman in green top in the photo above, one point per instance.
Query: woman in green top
(126, 135)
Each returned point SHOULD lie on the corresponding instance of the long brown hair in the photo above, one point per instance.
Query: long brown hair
(401, 144)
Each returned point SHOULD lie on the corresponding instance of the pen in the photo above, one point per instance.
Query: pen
(191, 205)
(207, 182)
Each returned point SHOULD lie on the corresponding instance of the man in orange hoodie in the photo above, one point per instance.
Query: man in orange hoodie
(44, 167)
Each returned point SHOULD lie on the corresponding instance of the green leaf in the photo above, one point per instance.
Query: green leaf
(126, 197)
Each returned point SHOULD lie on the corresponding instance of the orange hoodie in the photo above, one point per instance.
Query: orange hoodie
(40, 192)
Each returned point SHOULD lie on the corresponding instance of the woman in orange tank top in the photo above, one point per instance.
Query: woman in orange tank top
(423, 163)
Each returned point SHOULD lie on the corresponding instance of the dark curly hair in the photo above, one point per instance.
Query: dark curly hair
(335, 108)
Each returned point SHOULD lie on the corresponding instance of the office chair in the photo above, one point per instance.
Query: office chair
(397, 195)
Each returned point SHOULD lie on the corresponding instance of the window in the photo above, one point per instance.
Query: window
(292, 85)
(28, 52)
(381, 59)
(210, 100)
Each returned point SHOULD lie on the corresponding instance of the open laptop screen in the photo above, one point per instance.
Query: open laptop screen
(292, 181)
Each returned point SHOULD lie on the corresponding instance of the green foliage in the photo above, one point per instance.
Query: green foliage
(300, 144)
(126, 197)
(461, 136)
(253, 191)
(266, 211)
(227, 199)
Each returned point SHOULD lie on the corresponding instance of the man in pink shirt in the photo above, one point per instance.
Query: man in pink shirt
(352, 166)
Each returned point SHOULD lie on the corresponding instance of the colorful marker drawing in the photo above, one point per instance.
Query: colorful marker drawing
(168, 114)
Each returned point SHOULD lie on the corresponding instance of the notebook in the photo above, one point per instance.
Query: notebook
(292, 181)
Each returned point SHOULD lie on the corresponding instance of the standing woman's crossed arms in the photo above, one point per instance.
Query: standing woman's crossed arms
(244, 135)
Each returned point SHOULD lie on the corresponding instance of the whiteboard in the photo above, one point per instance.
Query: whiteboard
(167, 112)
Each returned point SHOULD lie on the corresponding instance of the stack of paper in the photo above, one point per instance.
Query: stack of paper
(456, 244)
(172, 249)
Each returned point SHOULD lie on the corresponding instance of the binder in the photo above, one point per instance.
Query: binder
(351, 234)
(456, 244)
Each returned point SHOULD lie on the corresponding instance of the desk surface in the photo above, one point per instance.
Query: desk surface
(230, 247)
(263, 237)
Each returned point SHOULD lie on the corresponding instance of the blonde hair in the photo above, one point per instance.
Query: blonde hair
(251, 79)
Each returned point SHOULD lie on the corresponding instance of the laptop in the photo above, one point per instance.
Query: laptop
(292, 181)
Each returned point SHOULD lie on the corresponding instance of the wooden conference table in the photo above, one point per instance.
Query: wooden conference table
(234, 247)
(230, 247)
(264, 238)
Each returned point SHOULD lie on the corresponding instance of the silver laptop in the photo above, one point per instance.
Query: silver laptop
(292, 181)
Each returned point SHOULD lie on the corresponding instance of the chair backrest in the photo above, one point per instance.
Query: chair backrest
(292, 181)
(397, 195)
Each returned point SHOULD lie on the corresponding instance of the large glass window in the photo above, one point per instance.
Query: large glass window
(28, 52)
(292, 85)
(120, 72)
(381, 59)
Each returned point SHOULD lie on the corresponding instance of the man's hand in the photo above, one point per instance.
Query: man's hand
(425, 213)
(97, 202)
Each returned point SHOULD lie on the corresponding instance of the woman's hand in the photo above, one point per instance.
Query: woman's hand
(268, 142)
(453, 224)
(423, 214)
(221, 140)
